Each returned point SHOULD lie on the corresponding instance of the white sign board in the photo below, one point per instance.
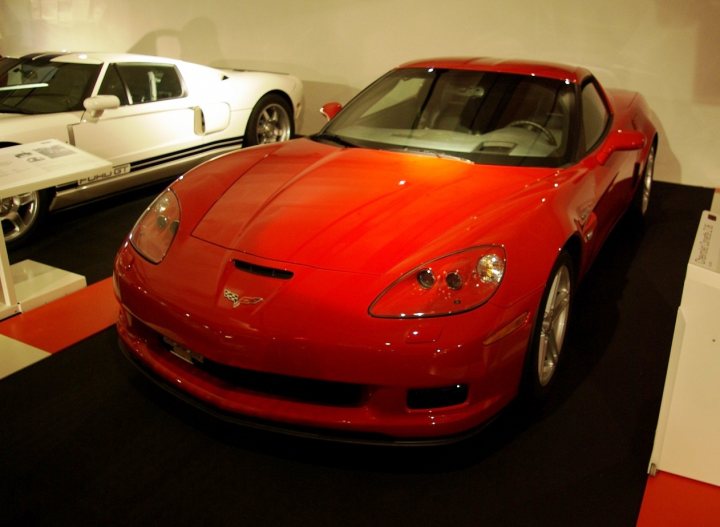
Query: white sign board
(45, 164)
(687, 440)
(36, 166)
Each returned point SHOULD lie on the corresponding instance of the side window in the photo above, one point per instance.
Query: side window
(150, 82)
(594, 115)
(112, 85)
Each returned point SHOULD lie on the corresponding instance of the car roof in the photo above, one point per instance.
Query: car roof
(550, 70)
(96, 57)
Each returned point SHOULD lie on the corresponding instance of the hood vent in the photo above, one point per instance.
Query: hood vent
(270, 272)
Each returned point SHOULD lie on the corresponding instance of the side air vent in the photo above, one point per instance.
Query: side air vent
(261, 270)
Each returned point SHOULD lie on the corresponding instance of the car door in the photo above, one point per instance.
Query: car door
(153, 123)
(608, 174)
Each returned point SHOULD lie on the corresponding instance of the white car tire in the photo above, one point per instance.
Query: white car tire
(22, 215)
(270, 121)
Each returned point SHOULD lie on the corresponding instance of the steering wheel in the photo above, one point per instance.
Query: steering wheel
(523, 123)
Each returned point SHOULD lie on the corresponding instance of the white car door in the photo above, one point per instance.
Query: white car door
(154, 122)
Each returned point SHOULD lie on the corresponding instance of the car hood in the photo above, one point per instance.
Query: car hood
(360, 210)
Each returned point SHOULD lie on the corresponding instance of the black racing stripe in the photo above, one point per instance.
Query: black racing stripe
(179, 154)
(44, 56)
(31, 56)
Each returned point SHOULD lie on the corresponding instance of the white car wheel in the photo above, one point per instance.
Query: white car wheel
(270, 121)
(20, 215)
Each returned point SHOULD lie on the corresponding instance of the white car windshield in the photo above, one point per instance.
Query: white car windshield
(482, 117)
(40, 86)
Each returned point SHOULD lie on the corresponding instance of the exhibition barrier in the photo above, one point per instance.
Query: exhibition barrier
(26, 168)
(687, 439)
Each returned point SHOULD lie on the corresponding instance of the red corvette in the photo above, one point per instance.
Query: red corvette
(403, 274)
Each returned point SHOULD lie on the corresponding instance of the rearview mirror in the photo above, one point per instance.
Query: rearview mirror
(330, 109)
(620, 140)
(98, 104)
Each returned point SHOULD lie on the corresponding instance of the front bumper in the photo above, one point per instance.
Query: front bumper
(304, 432)
(352, 377)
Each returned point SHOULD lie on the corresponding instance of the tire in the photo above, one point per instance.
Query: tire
(550, 330)
(21, 216)
(641, 200)
(270, 121)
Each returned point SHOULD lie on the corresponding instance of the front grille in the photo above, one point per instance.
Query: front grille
(298, 389)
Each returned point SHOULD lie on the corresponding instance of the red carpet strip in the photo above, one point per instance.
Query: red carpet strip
(62, 323)
(671, 501)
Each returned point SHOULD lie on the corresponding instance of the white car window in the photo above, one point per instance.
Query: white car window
(141, 83)
(40, 86)
(112, 84)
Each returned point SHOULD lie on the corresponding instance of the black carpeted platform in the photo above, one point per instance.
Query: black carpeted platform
(86, 440)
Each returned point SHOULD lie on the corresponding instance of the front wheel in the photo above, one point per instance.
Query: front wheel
(22, 215)
(270, 121)
(551, 325)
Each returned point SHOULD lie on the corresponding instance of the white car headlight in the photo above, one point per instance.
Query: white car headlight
(155, 230)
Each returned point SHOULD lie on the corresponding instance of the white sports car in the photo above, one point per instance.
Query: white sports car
(152, 117)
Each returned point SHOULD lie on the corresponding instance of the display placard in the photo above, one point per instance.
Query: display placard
(45, 164)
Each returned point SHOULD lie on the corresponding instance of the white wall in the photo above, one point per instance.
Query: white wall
(667, 49)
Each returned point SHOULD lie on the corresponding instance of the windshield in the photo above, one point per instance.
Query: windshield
(37, 86)
(483, 117)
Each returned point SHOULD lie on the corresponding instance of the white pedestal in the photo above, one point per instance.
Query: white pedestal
(687, 440)
(37, 284)
(25, 168)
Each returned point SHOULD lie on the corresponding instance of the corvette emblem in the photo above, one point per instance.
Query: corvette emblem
(238, 300)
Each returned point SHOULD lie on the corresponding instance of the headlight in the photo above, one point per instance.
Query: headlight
(155, 230)
(448, 285)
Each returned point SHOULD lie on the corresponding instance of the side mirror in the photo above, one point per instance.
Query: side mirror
(620, 140)
(98, 104)
(330, 109)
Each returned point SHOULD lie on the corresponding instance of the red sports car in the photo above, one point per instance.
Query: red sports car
(403, 274)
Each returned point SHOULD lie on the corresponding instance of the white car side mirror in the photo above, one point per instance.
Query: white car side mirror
(98, 104)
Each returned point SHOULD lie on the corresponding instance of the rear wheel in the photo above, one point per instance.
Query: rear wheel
(550, 329)
(22, 215)
(642, 198)
(270, 121)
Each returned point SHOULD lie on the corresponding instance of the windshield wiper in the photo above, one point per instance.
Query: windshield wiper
(431, 153)
(14, 87)
(335, 139)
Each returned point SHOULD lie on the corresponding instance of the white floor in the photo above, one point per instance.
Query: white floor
(15, 355)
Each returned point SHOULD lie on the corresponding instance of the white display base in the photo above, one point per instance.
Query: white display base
(37, 284)
(25, 168)
(687, 440)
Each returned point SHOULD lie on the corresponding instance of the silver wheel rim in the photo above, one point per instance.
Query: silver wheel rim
(273, 124)
(554, 325)
(647, 181)
(17, 214)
